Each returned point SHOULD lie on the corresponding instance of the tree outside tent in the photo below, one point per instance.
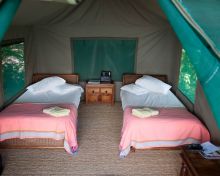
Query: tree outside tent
(12, 58)
(187, 77)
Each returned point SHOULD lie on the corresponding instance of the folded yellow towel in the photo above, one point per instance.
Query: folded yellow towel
(56, 111)
(144, 112)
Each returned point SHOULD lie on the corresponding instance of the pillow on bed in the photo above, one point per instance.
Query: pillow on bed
(46, 84)
(66, 88)
(153, 84)
(134, 89)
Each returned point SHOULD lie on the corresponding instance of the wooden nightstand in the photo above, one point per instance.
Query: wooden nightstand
(193, 164)
(100, 93)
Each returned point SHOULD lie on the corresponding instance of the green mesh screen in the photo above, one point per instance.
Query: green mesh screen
(91, 56)
(203, 58)
(187, 77)
(12, 57)
(206, 16)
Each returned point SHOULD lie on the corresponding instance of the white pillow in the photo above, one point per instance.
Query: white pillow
(153, 84)
(134, 89)
(46, 84)
(66, 88)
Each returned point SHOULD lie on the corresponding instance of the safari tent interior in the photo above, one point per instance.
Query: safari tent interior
(176, 41)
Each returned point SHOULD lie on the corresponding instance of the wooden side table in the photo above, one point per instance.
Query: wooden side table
(193, 164)
(100, 93)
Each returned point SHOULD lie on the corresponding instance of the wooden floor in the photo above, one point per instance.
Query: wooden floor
(98, 137)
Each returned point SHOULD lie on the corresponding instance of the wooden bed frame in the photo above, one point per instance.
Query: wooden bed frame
(40, 142)
(131, 78)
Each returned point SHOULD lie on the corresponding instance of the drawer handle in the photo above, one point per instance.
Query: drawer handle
(93, 91)
(106, 91)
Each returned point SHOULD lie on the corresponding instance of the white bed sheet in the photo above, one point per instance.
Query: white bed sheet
(149, 99)
(71, 97)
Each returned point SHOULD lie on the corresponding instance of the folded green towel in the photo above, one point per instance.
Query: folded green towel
(144, 112)
(56, 111)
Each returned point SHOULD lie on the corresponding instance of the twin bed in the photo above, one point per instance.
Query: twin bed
(174, 126)
(23, 123)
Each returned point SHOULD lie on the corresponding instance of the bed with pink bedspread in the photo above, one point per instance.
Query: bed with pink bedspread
(23, 123)
(27, 120)
(172, 127)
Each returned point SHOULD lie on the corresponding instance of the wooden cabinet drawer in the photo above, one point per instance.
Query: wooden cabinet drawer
(93, 90)
(106, 98)
(106, 90)
(100, 93)
(93, 98)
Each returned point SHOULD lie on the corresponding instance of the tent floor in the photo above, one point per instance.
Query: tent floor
(98, 138)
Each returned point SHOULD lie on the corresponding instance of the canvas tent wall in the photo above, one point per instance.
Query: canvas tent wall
(49, 27)
(123, 19)
(198, 35)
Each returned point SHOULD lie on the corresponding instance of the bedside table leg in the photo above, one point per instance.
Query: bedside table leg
(184, 170)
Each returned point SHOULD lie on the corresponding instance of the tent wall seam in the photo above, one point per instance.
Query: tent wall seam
(195, 26)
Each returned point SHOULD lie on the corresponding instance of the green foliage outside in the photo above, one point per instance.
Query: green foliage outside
(187, 77)
(12, 59)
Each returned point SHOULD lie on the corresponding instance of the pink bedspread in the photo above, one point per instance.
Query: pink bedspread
(172, 127)
(27, 120)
